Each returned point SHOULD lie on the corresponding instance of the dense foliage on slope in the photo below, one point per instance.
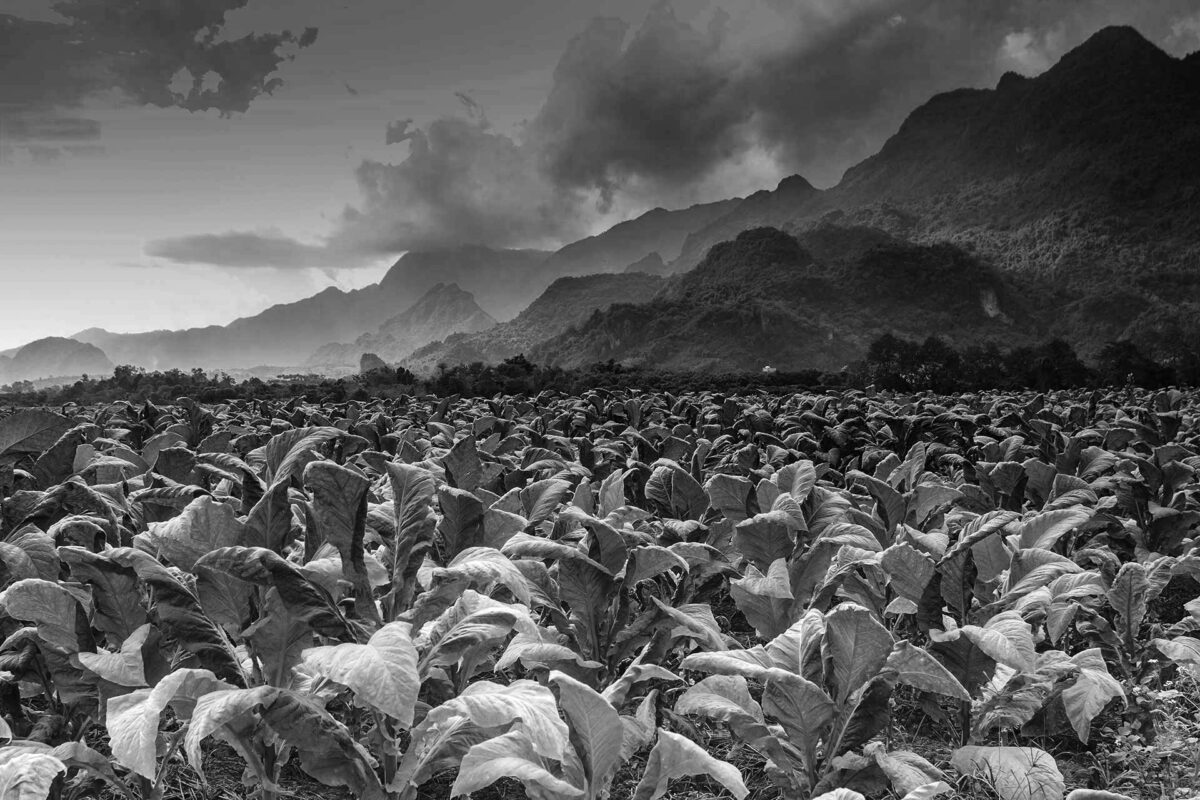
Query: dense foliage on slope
(1085, 176)
(764, 299)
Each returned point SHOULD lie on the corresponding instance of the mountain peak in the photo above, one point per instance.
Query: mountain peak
(795, 184)
(1117, 50)
(1117, 37)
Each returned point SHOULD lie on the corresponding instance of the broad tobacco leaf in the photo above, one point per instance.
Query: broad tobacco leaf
(1127, 596)
(764, 538)
(676, 492)
(30, 432)
(27, 774)
(1091, 691)
(918, 668)
(765, 600)
(675, 756)
(1043, 530)
(448, 731)
(596, 732)
(303, 598)
(857, 646)
(133, 719)
(412, 499)
(327, 750)
(510, 756)
(382, 673)
(468, 630)
(115, 593)
(49, 606)
(124, 668)
(1013, 773)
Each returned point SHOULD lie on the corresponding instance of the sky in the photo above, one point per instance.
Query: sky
(175, 163)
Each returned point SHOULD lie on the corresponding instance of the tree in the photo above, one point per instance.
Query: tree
(1122, 362)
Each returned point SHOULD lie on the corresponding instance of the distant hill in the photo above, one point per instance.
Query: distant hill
(567, 302)
(289, 334)
(503, 283)
(443, 310)
(53, 357)
(764, 299)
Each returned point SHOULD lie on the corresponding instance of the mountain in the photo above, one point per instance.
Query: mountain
(1075, 191)
(764, 298)
(53, 357)
(650, 264)
(1086, 176)
(500, 280)
(565, 303)
(288, 334)
(503, 283)
(443, 310)
(657, 231)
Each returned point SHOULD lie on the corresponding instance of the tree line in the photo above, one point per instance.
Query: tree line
(891, 364)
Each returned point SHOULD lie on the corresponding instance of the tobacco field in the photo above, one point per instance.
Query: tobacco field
(618, 594)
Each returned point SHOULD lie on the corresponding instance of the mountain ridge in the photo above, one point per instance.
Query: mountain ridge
(762, 298)
(53, 357)
(1082, 183)
(444, 310)
(565, 303)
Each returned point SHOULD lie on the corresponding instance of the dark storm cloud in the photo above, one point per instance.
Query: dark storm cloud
(663, 106)
(817, 83)
(811, 86)
(854, 70)
(167, 54)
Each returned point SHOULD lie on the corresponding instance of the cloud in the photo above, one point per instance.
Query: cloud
(50, 128)
(660, 108)
(241, 250)
(138, 49)
(673, 112)
(462, 182)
